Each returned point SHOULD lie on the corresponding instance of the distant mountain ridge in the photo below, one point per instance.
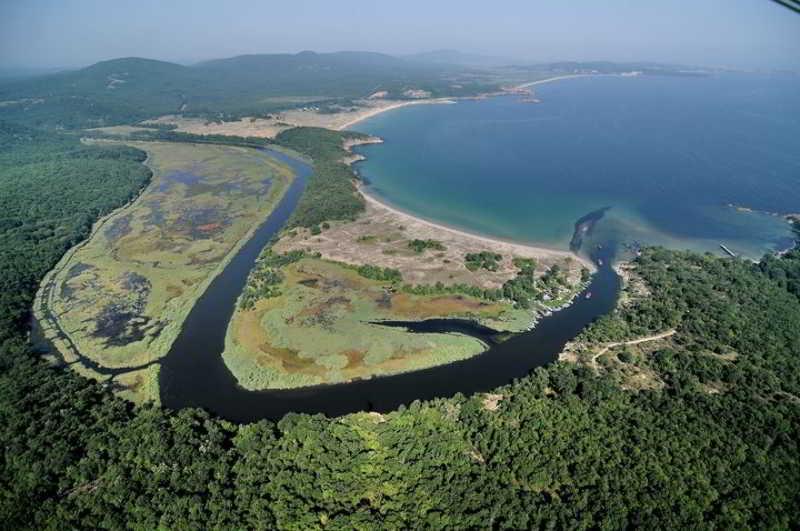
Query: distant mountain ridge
(131, 89)
(304, 58)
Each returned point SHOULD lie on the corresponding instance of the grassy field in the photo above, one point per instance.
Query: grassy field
(120, 297)
(318, 329)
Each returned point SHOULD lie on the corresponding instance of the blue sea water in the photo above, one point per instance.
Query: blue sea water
(669, 155)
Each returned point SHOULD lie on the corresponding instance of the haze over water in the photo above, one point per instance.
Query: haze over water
(667, 154)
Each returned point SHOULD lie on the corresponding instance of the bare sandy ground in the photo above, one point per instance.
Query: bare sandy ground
(449, 233)
(256, 127)
(280, 121)
(368, 112)
(381, 236)
(551, 79)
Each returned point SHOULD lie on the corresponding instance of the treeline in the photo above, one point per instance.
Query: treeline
(330, 193)
(266, 276)
(167, 134)
(385, 274)
(52, 188)
(524, 289)
(785, 271)
(563, 448)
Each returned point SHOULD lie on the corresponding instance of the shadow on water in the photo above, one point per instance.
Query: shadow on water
(584, 228)
(487, 335)
(193, 374)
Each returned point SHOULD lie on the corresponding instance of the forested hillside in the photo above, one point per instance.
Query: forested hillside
(122, 91)
(714, 444)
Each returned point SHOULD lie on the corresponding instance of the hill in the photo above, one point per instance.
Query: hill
(116, 91)
(132, 89)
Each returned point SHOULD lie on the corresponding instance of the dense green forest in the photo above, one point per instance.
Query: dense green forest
(715, 445)
(51, 190)
(127, 90)
(329, 194)
(124, 91)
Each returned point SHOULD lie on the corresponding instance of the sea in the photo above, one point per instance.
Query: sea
(686, 162)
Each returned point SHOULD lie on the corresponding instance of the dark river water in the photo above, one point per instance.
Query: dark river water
(193, 374)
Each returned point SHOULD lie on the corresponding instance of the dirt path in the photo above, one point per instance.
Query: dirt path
(646, 339)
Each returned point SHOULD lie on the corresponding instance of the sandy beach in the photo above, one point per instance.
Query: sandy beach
(308, 117)
(370, 112)
(380, 236)
(365, 113)
(498, 244)
(551, 79)
(283, 120)
(424, 228)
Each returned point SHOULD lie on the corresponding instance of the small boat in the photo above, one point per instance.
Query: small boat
(588, 294)
(600, 261)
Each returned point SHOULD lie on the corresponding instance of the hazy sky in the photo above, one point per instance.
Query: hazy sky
(743, 33)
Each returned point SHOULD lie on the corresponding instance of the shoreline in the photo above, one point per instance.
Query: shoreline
(398, 105)
(557, 78)
(375, 112)
(486, 238)
(513, 246)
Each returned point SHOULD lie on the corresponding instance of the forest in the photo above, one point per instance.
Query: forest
(329, 194)
(128, 90)
(714, 446)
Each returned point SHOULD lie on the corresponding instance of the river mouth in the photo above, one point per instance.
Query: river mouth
(194, 374)
(200, 378)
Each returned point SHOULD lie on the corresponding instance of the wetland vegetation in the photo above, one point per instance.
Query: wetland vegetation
(680, 409)
(307, 318)
(120, 298)
(718, 439)
(315, 326)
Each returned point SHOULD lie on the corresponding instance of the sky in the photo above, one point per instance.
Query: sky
(71, 33)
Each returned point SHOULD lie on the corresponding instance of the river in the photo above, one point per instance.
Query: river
(193, 374)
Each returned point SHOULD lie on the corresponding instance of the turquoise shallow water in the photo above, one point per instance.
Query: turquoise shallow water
(667, 154)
